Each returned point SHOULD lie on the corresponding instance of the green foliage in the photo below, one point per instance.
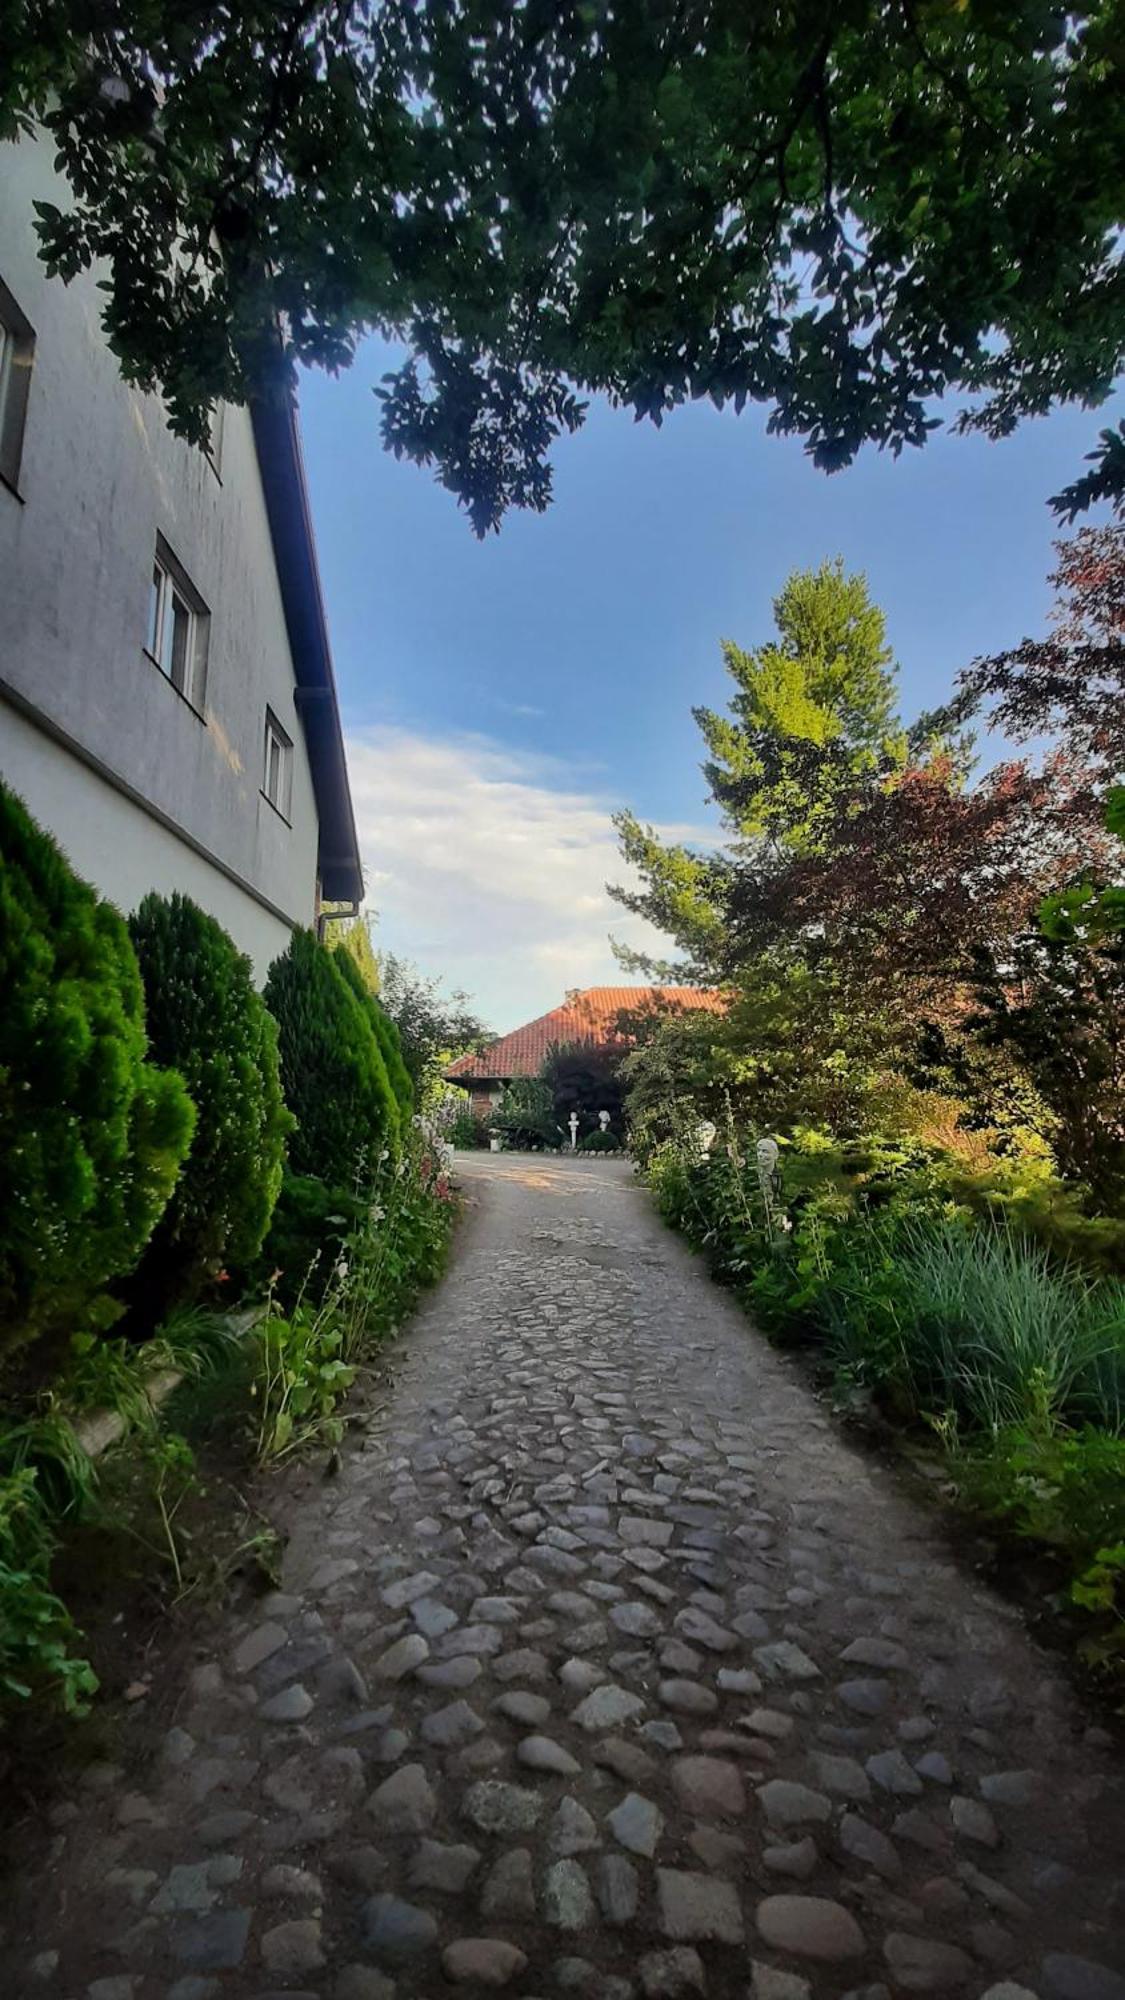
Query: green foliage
(353, 936)
(311, 1224)
(37, 1634)
(828, 216)
(299, 1379)
(584, 1077)
(387, 1036)
(1055, 1000)
(92, 1135)
(433, 1029)
(467, 1131)
(917, 1281)
(812, 710)
(525, 1114)
(305, 1357)
(333, 1075)
(601, 1142)
(812, 714)
(206, 1020)
(1067, 1492)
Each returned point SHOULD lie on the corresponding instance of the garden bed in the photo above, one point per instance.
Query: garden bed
(959, 1347)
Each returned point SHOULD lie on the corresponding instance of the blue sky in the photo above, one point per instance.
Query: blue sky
(501, 698)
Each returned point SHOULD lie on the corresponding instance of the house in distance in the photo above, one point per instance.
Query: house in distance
(591, 1014)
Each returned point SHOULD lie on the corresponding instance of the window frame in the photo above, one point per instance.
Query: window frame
(17, 359)
(170, 589)
(276, 737)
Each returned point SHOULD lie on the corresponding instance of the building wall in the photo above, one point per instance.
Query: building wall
(100, 477)
(119, 846)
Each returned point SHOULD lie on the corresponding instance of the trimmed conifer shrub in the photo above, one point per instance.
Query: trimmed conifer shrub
(386, 1034)
(332, 1072)
(206, 1020)
(92, 1134)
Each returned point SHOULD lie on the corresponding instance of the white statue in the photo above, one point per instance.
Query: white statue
(603, 1120)
(572, 1121)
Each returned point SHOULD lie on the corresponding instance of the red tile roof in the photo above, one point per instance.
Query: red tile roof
(589, 1016)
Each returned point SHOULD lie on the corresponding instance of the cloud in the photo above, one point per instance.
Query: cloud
(488, 868)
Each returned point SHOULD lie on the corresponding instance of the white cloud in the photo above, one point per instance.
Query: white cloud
(489, 869)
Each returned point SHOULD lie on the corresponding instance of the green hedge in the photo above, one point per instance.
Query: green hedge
(332, 1072)
(601, 1142)
(206, 1020)
(92, 1134)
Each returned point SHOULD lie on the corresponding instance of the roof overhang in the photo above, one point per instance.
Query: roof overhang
(280, 460)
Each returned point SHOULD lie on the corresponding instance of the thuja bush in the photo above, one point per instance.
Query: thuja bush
(206, 1020)
(92, 1133)
(332, 1072)
(386, 1034)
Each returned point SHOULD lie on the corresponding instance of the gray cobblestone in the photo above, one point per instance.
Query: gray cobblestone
(662, 1664)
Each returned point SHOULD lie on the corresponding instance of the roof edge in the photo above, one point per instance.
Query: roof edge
(281, 464)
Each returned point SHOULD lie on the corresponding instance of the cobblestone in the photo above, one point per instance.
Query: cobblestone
(585, 1525)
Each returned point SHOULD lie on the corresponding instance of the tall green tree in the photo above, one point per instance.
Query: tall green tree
(584, 1077)
(812, 718)
(434, 1027)
(841, 212)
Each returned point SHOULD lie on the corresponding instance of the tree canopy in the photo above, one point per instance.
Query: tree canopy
(841, 212)
(860, 850)
(433, 1028)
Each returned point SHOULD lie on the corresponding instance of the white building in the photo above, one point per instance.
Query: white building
(167, 702)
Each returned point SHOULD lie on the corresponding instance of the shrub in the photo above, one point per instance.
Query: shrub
(601, 1142)
(386, 1034)
(584, 1076)
(206, 1020)
(1067, 1492)
(467, 1130)
(311, 1224)
(525, 1113)
(37, 1633)
(304, 1357)
(92, 1134)
(332, 1073)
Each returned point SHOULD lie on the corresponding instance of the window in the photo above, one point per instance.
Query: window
(178, 625)
(17, 348)
(277, 782)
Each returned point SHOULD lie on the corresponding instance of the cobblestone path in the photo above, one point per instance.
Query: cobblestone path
(604, 1667)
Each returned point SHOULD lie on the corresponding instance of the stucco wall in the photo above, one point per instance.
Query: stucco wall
(100, 478)
(119, 847)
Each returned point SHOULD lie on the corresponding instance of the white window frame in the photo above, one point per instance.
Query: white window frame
(277, 767)
(179, 626)
(17, 352)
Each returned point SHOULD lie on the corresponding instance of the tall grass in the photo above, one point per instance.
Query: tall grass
(985, 1325)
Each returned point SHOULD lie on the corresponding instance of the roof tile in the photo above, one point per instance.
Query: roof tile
(585, 1016)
